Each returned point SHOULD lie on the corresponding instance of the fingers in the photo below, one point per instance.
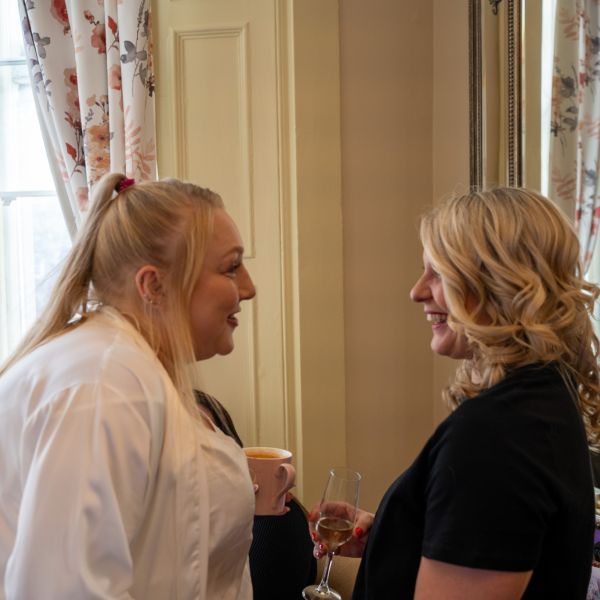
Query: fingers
(313, 517)
(363, 524)
(353, 547)
(319, 551)
(319, 548)
(343, 510)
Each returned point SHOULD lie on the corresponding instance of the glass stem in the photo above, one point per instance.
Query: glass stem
(324, 585)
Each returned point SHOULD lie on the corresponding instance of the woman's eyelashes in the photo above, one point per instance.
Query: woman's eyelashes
(429, 271)
(233, 268)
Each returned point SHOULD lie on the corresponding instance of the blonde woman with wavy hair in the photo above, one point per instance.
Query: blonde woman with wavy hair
(499, 504)
(515, 290)
(110, 473)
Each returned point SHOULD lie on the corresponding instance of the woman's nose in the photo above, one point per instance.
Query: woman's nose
(246, 285)
(419, 291)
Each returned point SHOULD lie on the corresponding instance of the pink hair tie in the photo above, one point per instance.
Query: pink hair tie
(124, 184)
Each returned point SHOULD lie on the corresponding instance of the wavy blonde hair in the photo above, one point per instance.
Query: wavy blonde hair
(513, 282)
(165, 224)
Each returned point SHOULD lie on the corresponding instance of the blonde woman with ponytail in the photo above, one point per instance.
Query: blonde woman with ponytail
(113, 483)
(499, 504)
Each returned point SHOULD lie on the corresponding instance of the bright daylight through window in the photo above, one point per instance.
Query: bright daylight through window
(33, 233)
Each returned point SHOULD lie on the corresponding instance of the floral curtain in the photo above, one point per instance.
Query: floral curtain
(575, 120)
(91, 68)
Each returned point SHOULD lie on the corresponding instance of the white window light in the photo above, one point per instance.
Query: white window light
(33, 233)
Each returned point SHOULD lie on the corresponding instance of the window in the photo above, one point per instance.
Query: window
(33, 233)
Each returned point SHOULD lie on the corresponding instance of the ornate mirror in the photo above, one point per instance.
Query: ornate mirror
(496, 132)
(505, 56)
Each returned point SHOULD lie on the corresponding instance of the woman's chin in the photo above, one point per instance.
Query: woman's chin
(226, 349)
(456, 351)
(443, 346)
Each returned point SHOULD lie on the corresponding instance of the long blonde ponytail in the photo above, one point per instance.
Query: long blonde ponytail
(68, 303)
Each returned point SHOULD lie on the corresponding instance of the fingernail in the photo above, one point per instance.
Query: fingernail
(255, 487)
(321, 548)
(313, 535)
(358, 532)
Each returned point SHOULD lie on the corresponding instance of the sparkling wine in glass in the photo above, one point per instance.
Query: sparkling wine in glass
(337, 513)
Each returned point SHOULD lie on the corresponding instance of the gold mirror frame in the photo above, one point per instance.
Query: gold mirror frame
(512, 76)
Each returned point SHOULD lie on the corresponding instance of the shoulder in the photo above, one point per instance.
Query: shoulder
(104, 355)
(107, 348)
(519, 413)
(527, 394)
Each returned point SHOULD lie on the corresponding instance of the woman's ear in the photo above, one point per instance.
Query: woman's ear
(148, 282)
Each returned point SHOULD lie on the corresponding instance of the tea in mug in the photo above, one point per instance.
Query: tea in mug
(263, 454)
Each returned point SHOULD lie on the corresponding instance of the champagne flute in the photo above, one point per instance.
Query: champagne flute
(337, 513)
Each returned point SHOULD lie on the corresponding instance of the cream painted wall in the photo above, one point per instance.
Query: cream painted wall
(404, 114)
(387, 121)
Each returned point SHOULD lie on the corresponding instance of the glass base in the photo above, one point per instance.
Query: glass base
(312, 593)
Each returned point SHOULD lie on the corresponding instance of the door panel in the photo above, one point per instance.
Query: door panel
(212, 116)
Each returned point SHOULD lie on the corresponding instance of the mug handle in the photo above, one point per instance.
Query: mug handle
(287, 474)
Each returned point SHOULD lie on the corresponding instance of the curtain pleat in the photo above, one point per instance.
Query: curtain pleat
(575, 121)
(91, 67)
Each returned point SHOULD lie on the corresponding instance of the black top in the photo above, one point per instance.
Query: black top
(504, 483)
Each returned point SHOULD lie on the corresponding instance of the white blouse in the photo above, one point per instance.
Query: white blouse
(227, 473)
(105, 478)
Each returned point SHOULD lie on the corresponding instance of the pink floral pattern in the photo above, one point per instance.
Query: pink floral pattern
(114, 78)
(575, 118)
(91, 64)
(58, 10)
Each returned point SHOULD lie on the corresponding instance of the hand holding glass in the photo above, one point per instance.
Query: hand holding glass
(337, 514)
